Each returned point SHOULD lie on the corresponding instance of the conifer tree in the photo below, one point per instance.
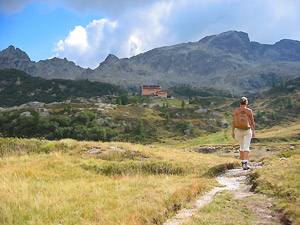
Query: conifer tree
(290, 101)
(273, 116)
(167, 116)
(258, 113)
(182, 104)
(283, 82)
(281, 105)
(140, 127)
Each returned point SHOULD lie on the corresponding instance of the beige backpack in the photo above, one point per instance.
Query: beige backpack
(242, 121)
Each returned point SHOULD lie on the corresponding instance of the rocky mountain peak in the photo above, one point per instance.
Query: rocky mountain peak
(16, 53)
(230, 40)
(287, 43)
(111, 57)
(110, 60)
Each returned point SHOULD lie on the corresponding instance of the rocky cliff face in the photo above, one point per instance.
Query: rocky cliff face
(228, 61)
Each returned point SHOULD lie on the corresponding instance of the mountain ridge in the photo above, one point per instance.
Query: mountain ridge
(228, 61)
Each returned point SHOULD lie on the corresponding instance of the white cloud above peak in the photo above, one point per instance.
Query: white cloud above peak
(84, 45)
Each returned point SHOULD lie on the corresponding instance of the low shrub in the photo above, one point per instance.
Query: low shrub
(138, 168)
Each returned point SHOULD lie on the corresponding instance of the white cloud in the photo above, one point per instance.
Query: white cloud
(77, 39)
(84, 45)
(150, 31)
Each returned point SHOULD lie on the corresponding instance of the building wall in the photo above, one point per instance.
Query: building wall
(150, 91)
(162, 94)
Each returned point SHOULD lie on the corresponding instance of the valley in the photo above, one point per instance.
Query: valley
(130, 159)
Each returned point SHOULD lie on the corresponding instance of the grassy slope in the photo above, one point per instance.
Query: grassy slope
(45, 182)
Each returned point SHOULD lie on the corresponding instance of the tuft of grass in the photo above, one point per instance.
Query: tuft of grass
(224, 209)
(216, 170)
(281, 180)
(139, 168)
(288, 154)
(18, 146)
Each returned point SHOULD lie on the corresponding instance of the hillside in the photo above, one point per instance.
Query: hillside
(17, 87)
(190, 91)
(228, 61)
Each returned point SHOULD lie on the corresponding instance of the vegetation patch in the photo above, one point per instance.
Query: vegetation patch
(122, 155)
(223, 210)
(281, 180)
(138, 168)
(216, 170)
(16, 146)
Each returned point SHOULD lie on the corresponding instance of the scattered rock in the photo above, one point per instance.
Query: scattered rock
(224, 123)
(103, 111)
(101, 121)
(191, 125)
(25, 114)
(283, 158)
(187, 132)
(154, 105)
(113, 148)
(217, 114)
(44, 112)
(201, 110)
(207, 149)
(94, 151)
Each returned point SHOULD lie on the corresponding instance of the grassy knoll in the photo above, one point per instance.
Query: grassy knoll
(281, 180)
(43, 182)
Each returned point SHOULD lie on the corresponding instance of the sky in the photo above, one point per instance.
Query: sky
(86, 31)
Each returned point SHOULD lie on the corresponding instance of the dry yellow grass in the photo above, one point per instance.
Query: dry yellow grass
(54, 188)
(281, 180)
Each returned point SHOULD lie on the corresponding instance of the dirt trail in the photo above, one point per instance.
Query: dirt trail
(236, 180)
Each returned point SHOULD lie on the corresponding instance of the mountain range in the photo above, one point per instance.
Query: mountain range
(228, 61)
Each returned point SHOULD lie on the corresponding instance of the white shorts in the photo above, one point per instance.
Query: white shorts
(244, 138)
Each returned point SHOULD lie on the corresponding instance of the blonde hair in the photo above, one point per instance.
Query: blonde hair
(244, 101)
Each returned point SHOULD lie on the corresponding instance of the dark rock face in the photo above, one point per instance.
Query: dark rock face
(227, 61)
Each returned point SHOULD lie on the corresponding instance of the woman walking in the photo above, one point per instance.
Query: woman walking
(244, 124)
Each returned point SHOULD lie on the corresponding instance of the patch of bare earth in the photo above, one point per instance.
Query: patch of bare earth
(235, 181)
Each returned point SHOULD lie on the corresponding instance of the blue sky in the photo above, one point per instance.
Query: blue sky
(86, 31)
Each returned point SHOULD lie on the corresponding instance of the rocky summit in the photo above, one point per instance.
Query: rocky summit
(228, 61)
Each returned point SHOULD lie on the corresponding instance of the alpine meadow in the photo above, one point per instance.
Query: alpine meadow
(147, 139)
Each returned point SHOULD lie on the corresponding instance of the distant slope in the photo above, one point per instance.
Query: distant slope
(190, 91)
(277, 111)
(17, 87)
